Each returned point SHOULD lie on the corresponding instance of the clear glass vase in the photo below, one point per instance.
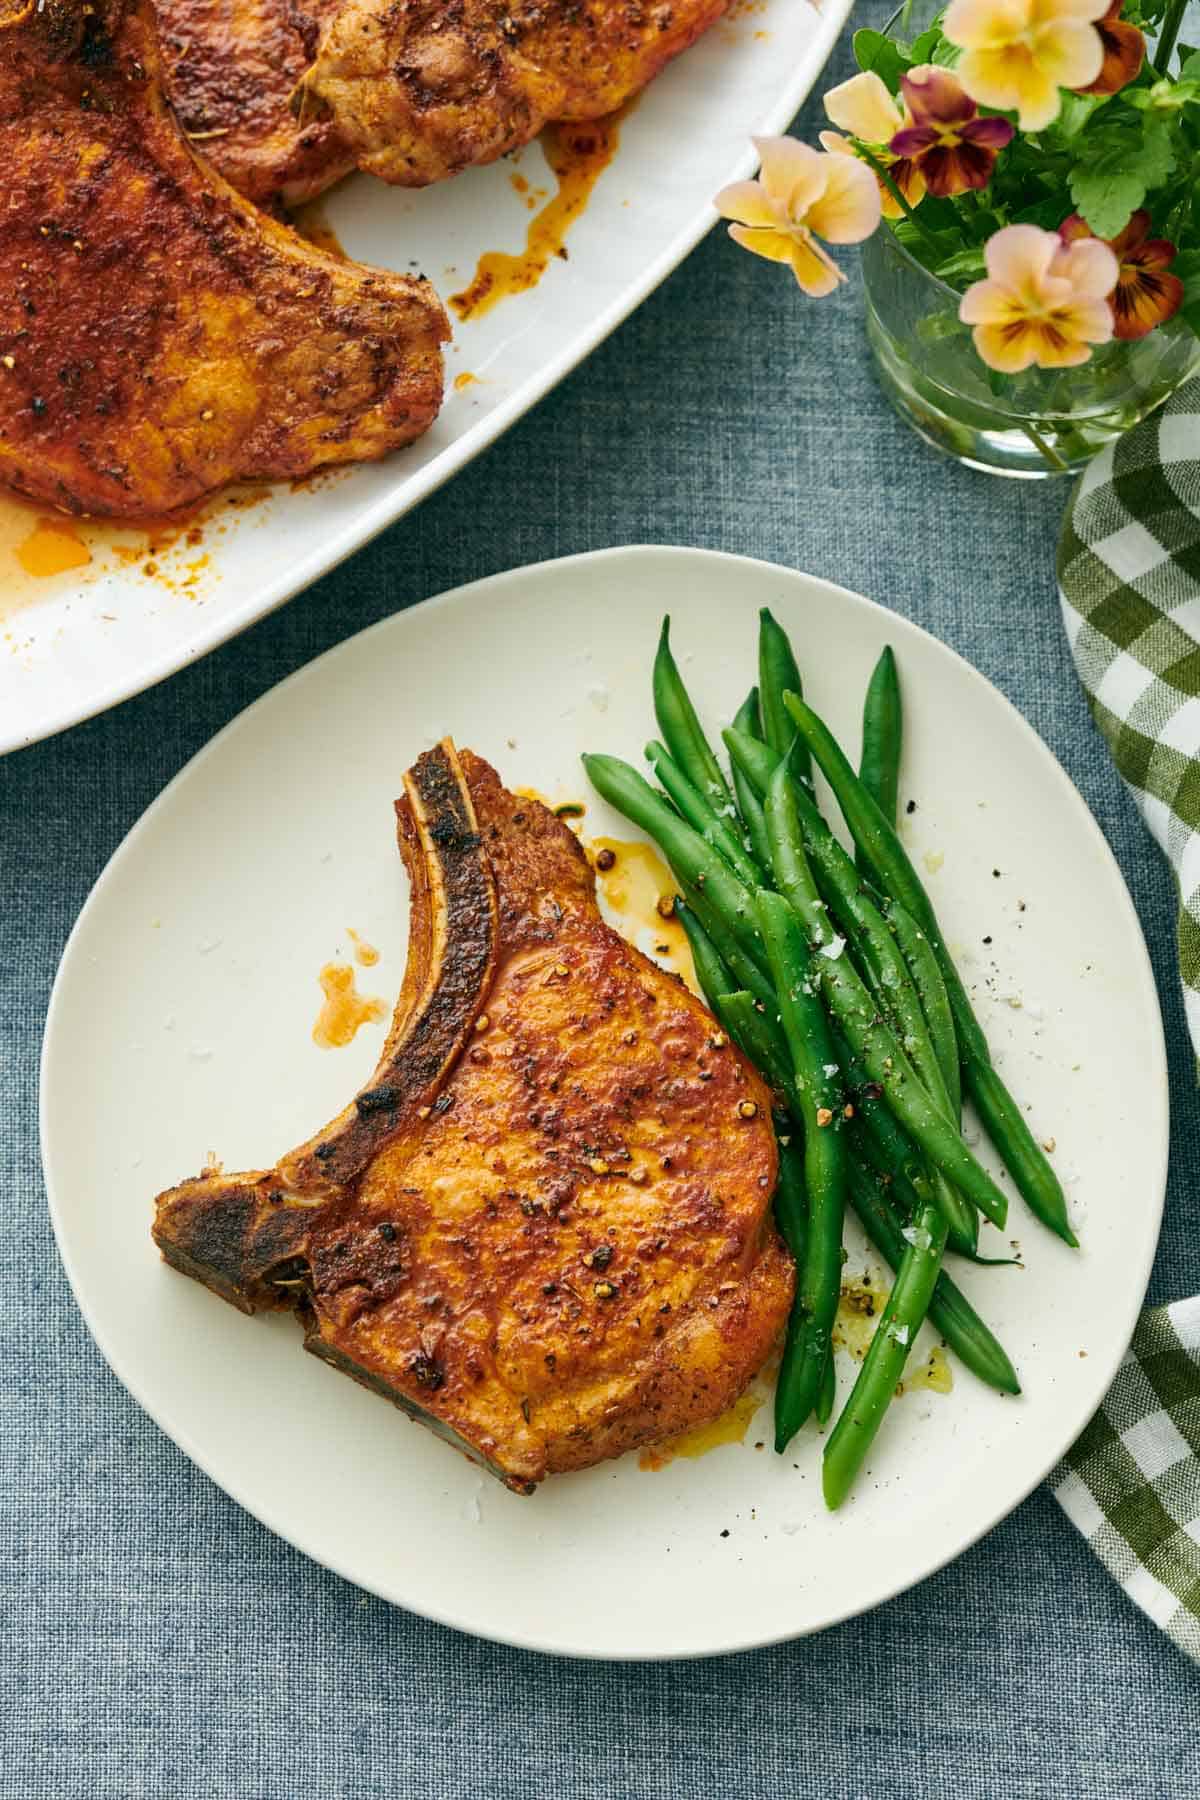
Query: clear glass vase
(1039, 423)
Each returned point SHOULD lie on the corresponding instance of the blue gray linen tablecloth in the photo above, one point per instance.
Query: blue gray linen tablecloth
(154, 1639)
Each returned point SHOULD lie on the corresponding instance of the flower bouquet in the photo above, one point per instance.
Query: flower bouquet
(1025, 175)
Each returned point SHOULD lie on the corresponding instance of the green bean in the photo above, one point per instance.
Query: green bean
(681, 728)
(935, 1002)
(763, 1042)
(882, 736)
(888, 976)
(749, 805)
(791, 1197)
(828, 1392)
(695, 863)
(777, 676)
(841, 887)
(869, 1035)
(886, 1356)
(950, 1310)
(712, 971)
(693, 807)
(861, 920)
(756, 760)
(878, 1139)
(792, 1217)
(748, 717)
(1001, 1115)
(747, 970)
(758, 1035)
(813, 1096)
(885, 966)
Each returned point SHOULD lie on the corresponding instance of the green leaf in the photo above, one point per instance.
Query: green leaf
(1106, 194)
(1076, 111)
(924, 49)
(1157, 157)
(964, 265)
(874, 52)
(1121, 164)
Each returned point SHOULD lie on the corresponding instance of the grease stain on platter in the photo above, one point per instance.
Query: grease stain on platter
(51, 548)
(859, 1310)
(365, 955)
(344, 1010)
(635, 884)
(578, 154)
(730, 1428)
(311, 222)
(46, 556)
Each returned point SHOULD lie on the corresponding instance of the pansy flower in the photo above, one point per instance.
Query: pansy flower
(1124, 53)
(1018, 54)
(947, 141)
(865, 108)
(800, 196)
(1146, 294)
(1043, 301)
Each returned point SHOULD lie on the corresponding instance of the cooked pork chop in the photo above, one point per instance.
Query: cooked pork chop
(420, 89)
(544, 1226)
(230, 67)
(159, 336)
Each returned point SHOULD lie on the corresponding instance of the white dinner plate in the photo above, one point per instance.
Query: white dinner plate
(78, 642)
(181, 1026)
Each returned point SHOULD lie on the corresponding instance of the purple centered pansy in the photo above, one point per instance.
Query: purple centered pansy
(954, 148)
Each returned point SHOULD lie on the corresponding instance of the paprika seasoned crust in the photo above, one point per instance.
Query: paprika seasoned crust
(230, 67)
(543, 1227)
(159, 336)
(419, 89)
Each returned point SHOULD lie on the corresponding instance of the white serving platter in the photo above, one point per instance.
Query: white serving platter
(181, 1025)
(74, 644)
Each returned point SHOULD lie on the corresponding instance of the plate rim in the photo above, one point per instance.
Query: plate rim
(1155, 1188)
(408, 493)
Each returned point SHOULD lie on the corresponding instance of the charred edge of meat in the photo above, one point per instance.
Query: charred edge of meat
(463, 899)
(317, 1345)
(218, 1235)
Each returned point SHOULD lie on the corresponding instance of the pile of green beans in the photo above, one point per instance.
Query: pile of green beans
(831, 974)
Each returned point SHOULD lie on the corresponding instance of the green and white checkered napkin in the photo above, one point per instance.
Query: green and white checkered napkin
(1129, 572)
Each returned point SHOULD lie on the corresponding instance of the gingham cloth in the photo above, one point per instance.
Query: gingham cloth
(1129, 575)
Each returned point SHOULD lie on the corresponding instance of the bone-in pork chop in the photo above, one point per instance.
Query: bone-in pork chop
(159, 336)
(544, 1226)
(230, 67)
(419, 89)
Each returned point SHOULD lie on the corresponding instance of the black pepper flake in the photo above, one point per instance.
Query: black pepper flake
(911, 807)
(725, 1533)
(988, 939)
(37, 406)
(324, 1151)
(427, 1372)
(387, 1232)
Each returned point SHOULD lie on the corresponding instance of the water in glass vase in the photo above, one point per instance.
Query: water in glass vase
(1042, 422)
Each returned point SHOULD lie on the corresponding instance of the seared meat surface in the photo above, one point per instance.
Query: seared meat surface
(419, 89)
(230, 68)
(159, 336)
(544, 1226)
